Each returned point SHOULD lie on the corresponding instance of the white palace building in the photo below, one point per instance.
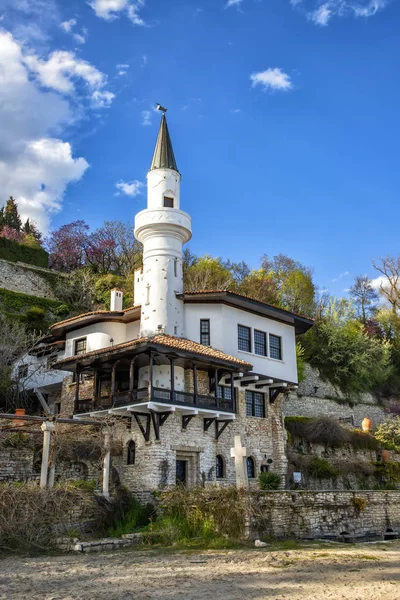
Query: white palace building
(188, 370)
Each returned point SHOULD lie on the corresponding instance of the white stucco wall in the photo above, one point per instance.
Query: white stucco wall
(97, 336)
(38, 374)
(224, 321)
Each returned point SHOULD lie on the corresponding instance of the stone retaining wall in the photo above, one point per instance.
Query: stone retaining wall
(28, 279)
(302, 514)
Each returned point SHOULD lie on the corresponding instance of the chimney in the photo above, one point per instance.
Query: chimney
(117, 298)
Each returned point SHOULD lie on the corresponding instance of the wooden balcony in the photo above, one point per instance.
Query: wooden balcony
(159, 395)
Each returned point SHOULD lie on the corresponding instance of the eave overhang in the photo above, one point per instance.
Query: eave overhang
(60, 329)
(299, 322)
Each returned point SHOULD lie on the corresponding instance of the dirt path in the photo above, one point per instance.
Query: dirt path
(362, 572)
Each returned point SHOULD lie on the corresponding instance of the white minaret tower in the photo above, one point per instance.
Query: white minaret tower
(163, 229)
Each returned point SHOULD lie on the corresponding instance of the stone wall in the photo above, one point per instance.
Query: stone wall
(28, 279)
(316, 397)
(304, 514)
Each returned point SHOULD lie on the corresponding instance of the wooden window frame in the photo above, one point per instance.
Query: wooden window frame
(272, 347)
(23, 371)
(219, 467)
(240, 338)
(205, 333)
(76, 342)
(168, 202)
(250, 399)
(257, 332)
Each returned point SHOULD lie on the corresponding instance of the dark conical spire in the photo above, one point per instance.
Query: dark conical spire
(163, 157)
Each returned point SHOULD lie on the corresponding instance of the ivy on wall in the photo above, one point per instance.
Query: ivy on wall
(14, 251)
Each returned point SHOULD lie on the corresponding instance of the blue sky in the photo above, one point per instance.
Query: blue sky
(283, 116)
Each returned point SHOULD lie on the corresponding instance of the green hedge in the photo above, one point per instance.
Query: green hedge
(14, 251)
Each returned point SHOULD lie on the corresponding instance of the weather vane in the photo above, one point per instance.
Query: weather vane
(161, 108)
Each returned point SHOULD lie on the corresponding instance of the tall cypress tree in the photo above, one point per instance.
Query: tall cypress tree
(11, 215)
(30, 228)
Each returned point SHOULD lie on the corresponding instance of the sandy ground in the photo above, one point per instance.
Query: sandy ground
(361, 572)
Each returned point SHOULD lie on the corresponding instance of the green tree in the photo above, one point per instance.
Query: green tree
(364, 296)
(11, 215)
(208, 273)
(31, 230)
(261, 286)
(296, 290)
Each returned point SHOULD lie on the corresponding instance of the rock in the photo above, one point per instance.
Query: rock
(259, 544)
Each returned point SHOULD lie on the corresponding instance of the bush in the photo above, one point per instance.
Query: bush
(132, 517)
(269, 480)
(320, 468)
(388, 433)
(15, 251)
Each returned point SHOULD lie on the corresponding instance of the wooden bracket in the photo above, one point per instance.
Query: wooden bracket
(162, 417)
(208, 423)
(145, 432)
(186, 420)
(218, 429)
(273, 395)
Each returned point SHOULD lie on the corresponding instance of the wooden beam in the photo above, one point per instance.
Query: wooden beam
(273, 395)
(208, 423)
(186, 420)
(218, 429)
(145, 432)
(131, 375)
(77, 381)
(156, 424)
(172, 379)
(162, 417)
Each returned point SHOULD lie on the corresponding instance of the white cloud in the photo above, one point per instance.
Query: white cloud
(68, 25)
(36, 166)
(122, 69)
(321, 15)
(144, 60)
(129, 188)
(146, 117)
(233, 3)
(111, 9)
(322, 11)
(272, 79)
(63, 70)
(102, 99)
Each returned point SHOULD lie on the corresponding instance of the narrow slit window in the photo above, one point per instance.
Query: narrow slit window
(219, 467)
(205, 332)
(131, 453)
(251, 469)
(176, 268)
(147, 294)
(168, 202)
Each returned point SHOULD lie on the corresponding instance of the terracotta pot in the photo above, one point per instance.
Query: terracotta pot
(366, 424)
(385, 455)
(20, 412)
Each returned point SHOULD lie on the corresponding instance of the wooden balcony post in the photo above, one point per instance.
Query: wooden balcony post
(172, 374)
(216, 388)
(150, 375)
(194, 384)
(77, 382)
(131, 376)
(233, 392)
(114, 379)
(95, 385)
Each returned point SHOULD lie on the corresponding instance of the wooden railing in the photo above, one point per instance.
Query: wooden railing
(120, 399)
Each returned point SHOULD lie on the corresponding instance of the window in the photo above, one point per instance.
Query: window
(260, 343)
(275, 346)
(224, 392)
(255, 404)
(56, 408)
(22, 371)
(219, 467)
(176, 267)
(251, 469)
(168, 202)
(147, 294)
(80, 346)
(244, 338)
(205, 332)
(131, 453)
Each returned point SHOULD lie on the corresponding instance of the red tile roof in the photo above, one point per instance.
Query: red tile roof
(168, 341)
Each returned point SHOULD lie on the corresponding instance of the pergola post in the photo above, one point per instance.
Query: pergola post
(77, 383)
(194, 384)
(233, 392)
(150, 375)
(172, 373)
(106, 466)
(131, 377)
(216, 387)
(47, 427)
